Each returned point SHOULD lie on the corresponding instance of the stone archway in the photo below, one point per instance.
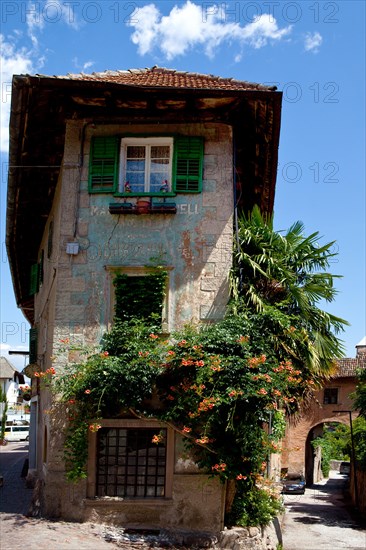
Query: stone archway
(298, 453)
(313, 456)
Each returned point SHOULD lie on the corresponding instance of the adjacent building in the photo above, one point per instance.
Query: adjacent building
(10, 379)
(332, 403)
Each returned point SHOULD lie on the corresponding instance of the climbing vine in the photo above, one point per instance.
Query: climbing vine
(140, 297)
(221, 386)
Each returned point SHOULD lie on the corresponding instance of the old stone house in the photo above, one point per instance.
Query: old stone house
(108, 171)
(332, 403)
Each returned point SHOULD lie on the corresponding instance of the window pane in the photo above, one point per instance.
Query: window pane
(160, 169)
(135, 152)
(158, 182)
(135, 166)
(160, 151)
(160, 166)
(136, 181)
(330, 396)
(120, 491)
(147, 168)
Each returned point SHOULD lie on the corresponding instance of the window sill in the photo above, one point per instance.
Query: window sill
(129, 208)
(111, 501)
(134, 194)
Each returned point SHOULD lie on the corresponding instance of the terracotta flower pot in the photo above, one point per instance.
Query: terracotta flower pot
(143, 206)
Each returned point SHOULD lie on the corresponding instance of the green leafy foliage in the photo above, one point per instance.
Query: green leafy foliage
(288, 272)
(338, 436)
(4, 411)
(140, 297)
(359, 395)
(254, 507)
(326, 455)
(334, 443)
(210, 382)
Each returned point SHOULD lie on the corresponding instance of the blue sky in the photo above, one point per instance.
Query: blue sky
(313, 51)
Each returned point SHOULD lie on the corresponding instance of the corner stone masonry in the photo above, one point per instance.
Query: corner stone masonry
(237, 538)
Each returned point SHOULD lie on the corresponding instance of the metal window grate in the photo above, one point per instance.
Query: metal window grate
(129, 464)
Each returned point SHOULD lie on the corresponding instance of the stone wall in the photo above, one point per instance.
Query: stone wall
(258, 538)
(361, 490)
(75, 300)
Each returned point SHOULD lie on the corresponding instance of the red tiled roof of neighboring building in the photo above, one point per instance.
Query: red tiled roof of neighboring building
(168, 78)
(348, 366)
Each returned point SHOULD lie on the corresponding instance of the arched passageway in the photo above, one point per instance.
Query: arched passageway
(312, 470)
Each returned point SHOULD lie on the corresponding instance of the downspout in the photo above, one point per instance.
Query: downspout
(236, 219)
(80, 168)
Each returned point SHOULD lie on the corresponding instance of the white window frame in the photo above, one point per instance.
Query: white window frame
(147, 142)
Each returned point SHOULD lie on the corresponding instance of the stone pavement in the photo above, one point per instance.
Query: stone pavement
(17, 531)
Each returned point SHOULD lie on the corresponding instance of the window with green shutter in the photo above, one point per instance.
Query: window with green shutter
(103, 167)
(33, 335)
(149, 165)
(34, 279)
(188, 164)
(40, 269)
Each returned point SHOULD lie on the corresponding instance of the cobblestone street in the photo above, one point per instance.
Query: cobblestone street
(18, 530)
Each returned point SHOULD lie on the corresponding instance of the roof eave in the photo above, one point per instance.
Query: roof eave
(22, 86)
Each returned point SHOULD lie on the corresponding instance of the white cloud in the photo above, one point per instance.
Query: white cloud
(313, 41)
(13, 61)
(23, 60)
(35, 22)
(185, 27)
(4, 348)
(39, 14)
(82, 66)
(263, 29)
(87, 65)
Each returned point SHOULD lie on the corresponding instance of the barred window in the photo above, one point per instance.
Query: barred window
(131, 462)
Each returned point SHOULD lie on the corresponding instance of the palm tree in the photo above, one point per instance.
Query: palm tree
(289, 272)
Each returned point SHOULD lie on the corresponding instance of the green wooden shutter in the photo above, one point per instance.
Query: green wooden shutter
(34, 279)
(50, 240)
(188, 164)
(103, 166)
(40, 269)
(33, 334)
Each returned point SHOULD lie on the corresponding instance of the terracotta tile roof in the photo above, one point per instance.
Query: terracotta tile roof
(167, 78)
(348, 366)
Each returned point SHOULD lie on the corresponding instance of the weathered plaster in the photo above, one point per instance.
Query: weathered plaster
(76, 301)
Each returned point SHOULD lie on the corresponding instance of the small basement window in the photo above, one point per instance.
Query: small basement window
(131, 459)
(130, 464)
